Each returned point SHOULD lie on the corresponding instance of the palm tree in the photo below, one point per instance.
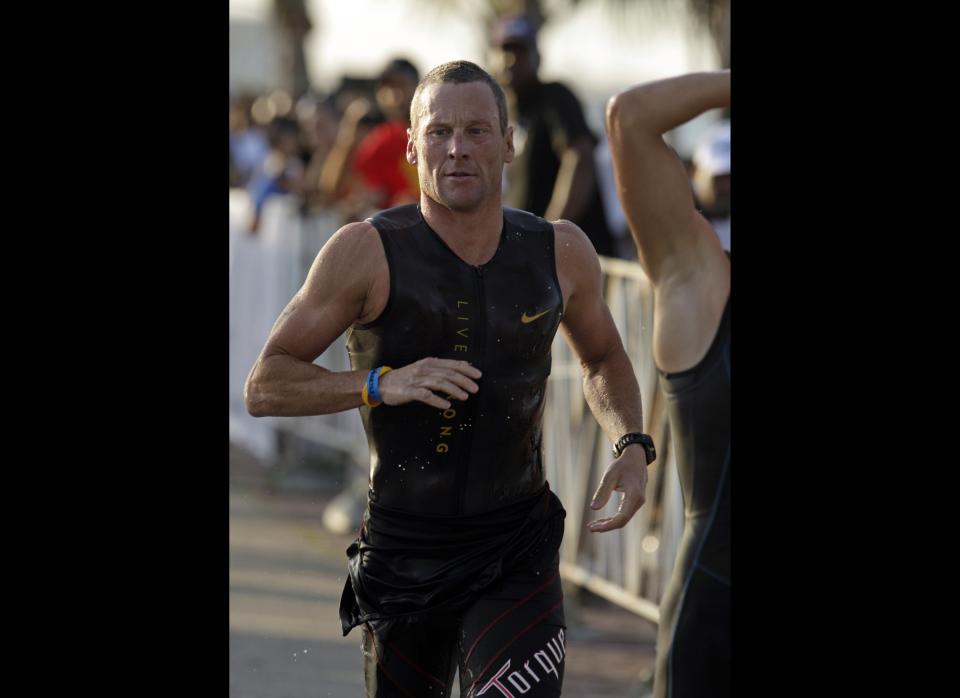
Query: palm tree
(293, 23)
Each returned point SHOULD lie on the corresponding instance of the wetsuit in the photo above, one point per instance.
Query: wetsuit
(693, 641)
(457, 558)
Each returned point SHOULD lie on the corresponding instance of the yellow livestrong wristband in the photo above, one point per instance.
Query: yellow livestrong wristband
(371, 388)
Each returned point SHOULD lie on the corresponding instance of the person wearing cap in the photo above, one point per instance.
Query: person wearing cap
(711, 180)
(690, 273)
(554, 173)
(451, 307)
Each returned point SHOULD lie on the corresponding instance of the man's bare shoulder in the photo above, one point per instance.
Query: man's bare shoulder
(578, 267)
(353, 240)
(573, 245)
(349, 260)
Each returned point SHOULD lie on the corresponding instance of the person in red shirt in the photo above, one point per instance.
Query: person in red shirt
(380, 159)
(372, 167)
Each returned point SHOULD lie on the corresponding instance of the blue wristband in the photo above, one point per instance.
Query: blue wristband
(373, 385)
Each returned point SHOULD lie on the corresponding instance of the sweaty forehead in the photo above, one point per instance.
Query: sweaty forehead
(457, 102)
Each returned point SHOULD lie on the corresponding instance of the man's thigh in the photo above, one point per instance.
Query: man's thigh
(416, 657)
(512, 638)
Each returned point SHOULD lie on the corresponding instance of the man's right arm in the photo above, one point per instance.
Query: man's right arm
(677, 248)
(348, 282)
(652, 182)
(284, 381)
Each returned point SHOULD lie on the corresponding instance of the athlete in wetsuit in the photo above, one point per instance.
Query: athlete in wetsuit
(467, 480)
(690, 273)
(452, 306)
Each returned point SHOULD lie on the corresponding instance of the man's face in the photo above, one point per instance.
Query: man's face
(457, 144)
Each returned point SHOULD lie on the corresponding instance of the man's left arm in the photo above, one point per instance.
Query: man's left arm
(609, 383)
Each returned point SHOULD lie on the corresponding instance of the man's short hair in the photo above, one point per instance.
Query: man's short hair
(460, 72)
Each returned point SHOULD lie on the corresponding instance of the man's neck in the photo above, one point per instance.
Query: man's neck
(472, 235)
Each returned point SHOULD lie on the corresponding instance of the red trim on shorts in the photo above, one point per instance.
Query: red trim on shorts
(416, 667)
(509, 610)
(511, 641)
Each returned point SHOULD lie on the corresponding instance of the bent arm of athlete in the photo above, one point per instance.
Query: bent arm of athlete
(347, 283)
(676, 246)
(609, 383)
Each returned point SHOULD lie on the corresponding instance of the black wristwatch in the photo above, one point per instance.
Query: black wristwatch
(636, 438)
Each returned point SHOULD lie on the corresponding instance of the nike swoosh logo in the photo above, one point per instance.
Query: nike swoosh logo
(530, 318)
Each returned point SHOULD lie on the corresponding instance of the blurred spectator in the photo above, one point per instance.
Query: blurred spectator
(372, 166)
(711, 180)
(553, 174)
(616, 219)
(248, 142)
(318, 131)
(339, 182)
(281, 171)
(381, 157)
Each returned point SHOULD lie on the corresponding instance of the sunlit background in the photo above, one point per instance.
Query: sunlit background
(597, 47)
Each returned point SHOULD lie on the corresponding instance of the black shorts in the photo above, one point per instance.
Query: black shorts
(508, 642)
